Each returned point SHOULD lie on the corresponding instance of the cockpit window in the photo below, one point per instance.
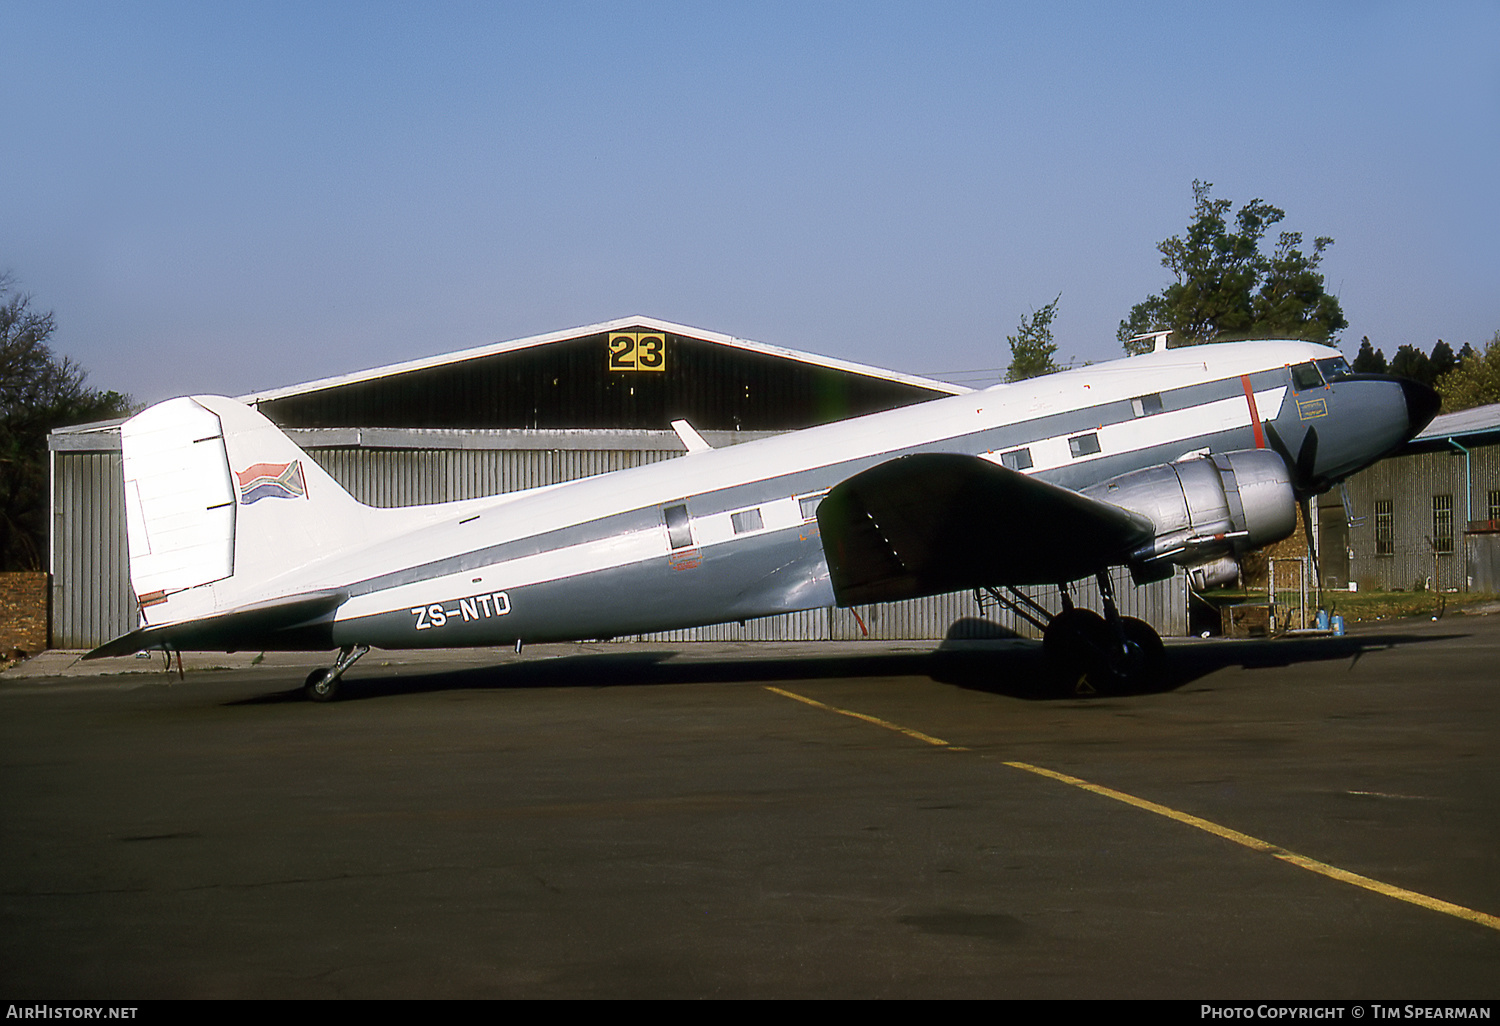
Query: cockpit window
(1305, 376)
(1334, 368)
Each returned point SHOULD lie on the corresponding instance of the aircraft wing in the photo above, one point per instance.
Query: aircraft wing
(937, 522)
(251, 627)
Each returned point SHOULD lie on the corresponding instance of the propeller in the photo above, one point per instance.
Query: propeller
(1303, 466)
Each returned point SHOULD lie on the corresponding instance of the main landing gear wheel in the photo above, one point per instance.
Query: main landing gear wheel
(1089, 652)
(1077, 639)
(1138, 663)
(1091, 657)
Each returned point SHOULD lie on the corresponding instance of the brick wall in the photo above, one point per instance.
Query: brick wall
(23, 613)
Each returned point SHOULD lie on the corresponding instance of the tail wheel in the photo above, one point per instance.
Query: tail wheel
(321, 686)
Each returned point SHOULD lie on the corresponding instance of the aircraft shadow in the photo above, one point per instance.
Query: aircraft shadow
(1184, 663)
(1014, 668)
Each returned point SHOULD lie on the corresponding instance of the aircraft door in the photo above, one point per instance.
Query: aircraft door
(682, 554)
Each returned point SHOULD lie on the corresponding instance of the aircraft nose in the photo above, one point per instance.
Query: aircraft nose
(1422, 404)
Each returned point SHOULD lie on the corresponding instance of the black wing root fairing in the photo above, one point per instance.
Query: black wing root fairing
(939, 522)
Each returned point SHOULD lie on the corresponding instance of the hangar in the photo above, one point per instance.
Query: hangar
(531, 412)
(1428, 517)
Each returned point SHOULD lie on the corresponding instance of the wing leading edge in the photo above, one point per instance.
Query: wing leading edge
(938, 522)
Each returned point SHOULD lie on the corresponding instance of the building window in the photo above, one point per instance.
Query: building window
(1442, 523)
(1494, 512)
(1016, 459)
(1385, 533)
(1084, 445)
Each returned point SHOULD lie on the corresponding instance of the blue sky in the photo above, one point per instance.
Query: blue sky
(219, 197)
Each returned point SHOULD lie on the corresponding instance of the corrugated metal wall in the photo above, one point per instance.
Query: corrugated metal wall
(91, 597)
(92, 601)
(1409, 484)
(406, 477)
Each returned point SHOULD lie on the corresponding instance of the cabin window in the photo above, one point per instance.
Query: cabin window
(1016, 459)
(1084, 445)
(1442, 523)
(808, 505)
(1385, 528)
(679, 529)
(1305, 376)
(1146, 405)
(746, 521)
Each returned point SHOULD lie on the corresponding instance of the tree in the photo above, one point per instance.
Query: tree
(1369, 360)
(1411, 362)
(1442, 359)
(1032, 350)
(1227, 289)
(38, 392)
(1475, 381)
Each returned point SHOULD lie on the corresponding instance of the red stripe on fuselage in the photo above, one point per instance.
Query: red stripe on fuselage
(1260, 435)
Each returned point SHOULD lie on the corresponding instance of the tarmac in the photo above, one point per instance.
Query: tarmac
(1304, 818)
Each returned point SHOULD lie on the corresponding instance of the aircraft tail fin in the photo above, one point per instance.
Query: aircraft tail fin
(222, 509)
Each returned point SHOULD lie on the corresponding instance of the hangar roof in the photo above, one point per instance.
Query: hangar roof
(619, 324)
(564, 382)
(1480, 425)
(633, 373)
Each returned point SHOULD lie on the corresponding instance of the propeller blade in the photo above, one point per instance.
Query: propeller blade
(1303, 466)
(1307, 459)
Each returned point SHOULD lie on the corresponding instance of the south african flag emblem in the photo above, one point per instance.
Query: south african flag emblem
(271, 481)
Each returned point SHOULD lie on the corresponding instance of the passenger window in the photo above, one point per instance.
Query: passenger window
(1084, 445)
(1305, 376)
(679, 530)
(746, 521)
(808, 504)
(1016, 459)
(1146, 405)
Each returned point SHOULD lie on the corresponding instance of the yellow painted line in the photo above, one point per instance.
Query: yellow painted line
(1256, 844)
(1253, 843)
(917, 734)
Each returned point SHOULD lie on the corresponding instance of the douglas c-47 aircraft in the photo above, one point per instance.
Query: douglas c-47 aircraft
(1178, 458)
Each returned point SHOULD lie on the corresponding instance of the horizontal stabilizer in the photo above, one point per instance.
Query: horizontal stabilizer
(252, 627)
(939, 522)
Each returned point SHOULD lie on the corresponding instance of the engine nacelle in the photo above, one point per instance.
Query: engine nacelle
(1207, 510)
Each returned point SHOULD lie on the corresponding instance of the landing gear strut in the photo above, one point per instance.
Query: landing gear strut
(1092, 653)
(323, 685)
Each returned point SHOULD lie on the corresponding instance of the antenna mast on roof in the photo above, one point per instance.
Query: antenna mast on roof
(1158, 339)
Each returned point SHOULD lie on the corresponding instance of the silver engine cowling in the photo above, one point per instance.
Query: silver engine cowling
(1207, 511)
